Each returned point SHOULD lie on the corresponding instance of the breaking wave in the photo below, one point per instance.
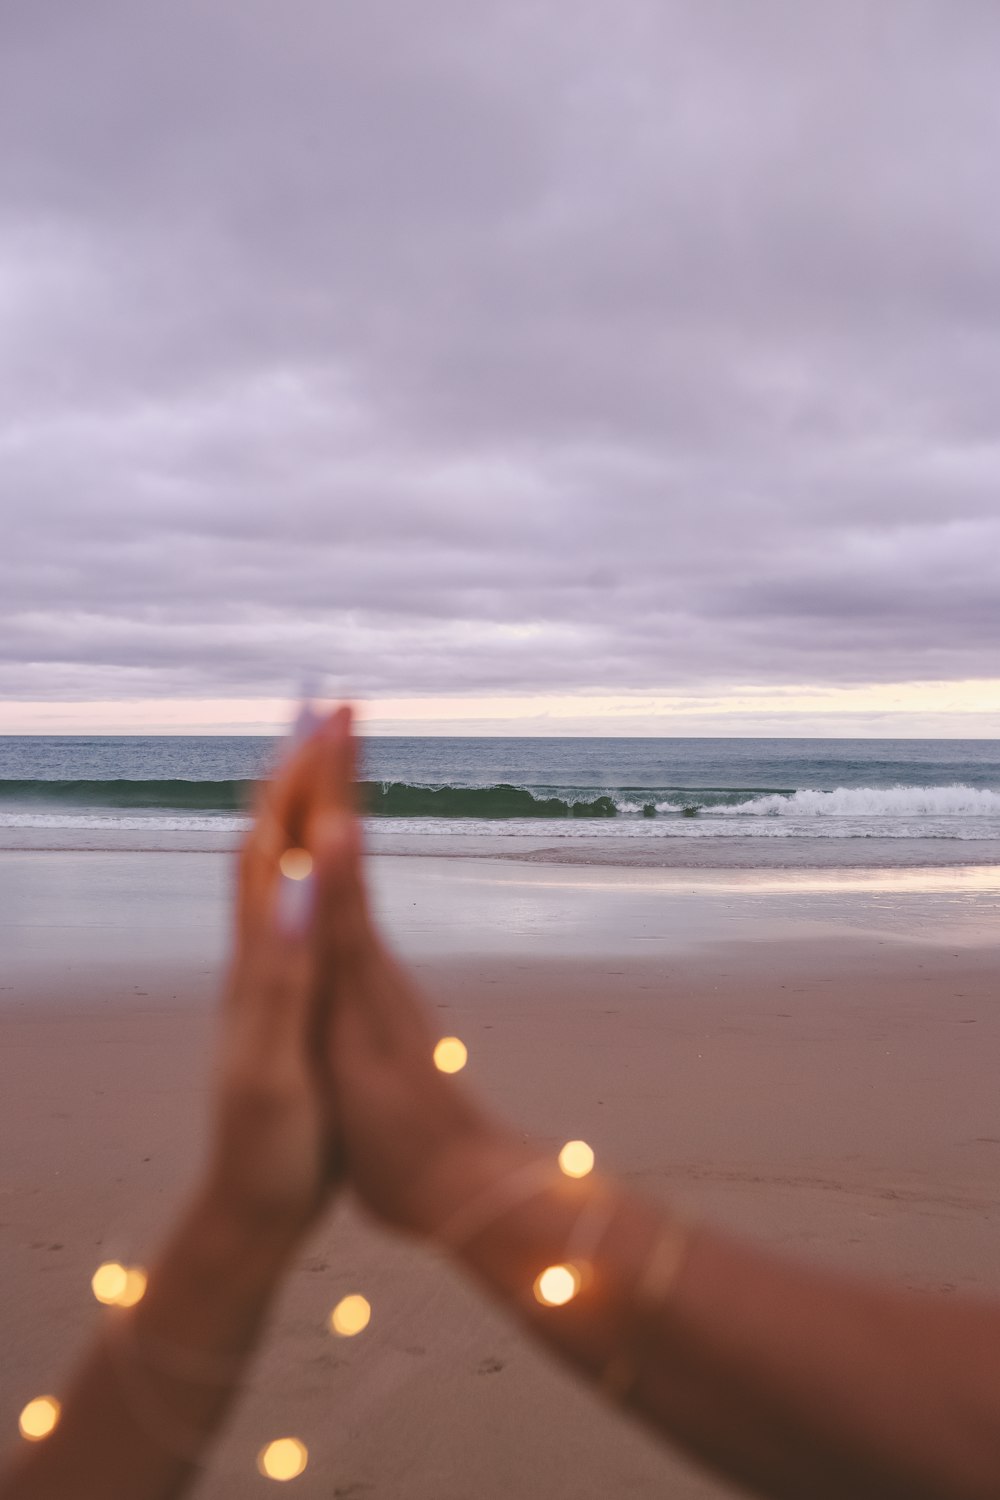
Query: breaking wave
(873, 802)
(394, 799)
(951, 811)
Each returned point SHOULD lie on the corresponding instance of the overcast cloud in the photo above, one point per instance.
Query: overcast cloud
(497, 347)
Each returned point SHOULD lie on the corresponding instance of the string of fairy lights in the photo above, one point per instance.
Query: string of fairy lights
(285, 1458)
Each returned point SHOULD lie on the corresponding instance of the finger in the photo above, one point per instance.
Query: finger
(345, 934)
(318, 777)
(285, 797)
(354, 967)
(344, 930)
(333, 784)
(258, 862)
(318, 782)
(275, 999)
(282, 808)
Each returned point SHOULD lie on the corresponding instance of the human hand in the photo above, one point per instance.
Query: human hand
(275, 1157)
(415, 1144)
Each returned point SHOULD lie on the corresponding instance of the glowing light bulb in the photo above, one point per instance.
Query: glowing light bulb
(109, 1282)
(450, 1055)
(351, 1315)
(576, 1159)
(39, 1418)
(557, 1285)
(296, 864)
(283, 1459)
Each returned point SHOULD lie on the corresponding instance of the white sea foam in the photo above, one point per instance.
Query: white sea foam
(158, 822)
(869, 802)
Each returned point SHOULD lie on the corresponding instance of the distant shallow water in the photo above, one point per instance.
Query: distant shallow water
(662, 802)
(68, 918)
(681, 855)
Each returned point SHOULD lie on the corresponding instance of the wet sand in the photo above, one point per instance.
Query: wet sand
(814, 1066)
(652, 846)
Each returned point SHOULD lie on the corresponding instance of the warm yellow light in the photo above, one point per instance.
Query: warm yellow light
(576, 1159)
(118, 1286)
(296, 864)
(557, 1285)
(283, 1459)
(450, 1055)
(351, 1315)
(135, 1287)
(109, 1281)
(39, 1418)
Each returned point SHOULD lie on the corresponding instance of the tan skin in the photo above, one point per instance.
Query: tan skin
(791, 1380)
(149, 1396)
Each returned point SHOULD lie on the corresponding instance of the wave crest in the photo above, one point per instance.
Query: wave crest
(871, 802)
(878, 806)
(399, 799)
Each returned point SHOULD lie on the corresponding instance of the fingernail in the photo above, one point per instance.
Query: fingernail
(295, 903)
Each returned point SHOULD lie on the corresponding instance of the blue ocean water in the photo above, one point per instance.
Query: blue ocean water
(559, 789)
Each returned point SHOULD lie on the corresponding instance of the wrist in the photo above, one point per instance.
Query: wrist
(467, 1168)
(220, 1239)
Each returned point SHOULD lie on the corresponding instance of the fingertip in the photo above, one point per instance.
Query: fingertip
(340, 722)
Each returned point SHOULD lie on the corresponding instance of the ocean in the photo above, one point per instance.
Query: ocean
(596, 800)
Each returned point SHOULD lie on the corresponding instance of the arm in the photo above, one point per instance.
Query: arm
(149, 1396)
(794, 1381)
(154, 1388)
(791, 1379)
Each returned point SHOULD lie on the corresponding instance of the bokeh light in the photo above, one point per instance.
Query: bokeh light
(450, 1055)
(557, 1285)
(296, 864)
(351, 1315)
(118, 1286)
(283, 1459)
(39, 1418)
(576, 1159)
(135, 1287)
(109, 1281)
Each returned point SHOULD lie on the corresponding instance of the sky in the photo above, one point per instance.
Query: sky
(549, 367)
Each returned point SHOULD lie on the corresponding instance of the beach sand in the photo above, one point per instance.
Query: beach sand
(808, 1061)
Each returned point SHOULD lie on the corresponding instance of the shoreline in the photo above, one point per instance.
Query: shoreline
(132, 915)
(673, 852)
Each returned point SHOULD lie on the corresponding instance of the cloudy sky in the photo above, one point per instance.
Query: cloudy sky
(538, 365)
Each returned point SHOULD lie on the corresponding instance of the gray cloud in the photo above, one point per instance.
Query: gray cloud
(490, 348)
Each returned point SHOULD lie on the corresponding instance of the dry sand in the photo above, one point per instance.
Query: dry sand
(819, 1076)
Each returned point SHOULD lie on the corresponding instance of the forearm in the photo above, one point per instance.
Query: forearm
(146, 1401)
(791, 1380)
(800, 1380)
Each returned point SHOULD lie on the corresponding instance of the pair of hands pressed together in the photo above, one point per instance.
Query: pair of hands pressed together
(326, 1067)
